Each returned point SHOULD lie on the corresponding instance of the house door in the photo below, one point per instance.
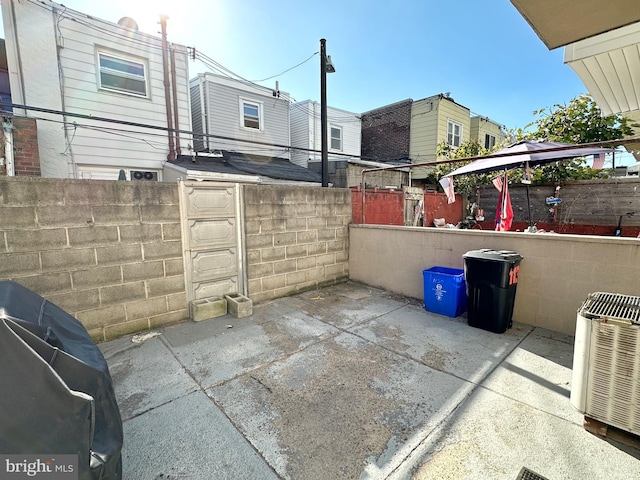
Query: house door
(212, 239)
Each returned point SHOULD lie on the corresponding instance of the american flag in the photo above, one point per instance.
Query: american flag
(447, 186)
(497, 182)
(598, 161)
(504, 212)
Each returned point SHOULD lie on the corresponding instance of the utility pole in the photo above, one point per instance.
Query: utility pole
(325, 67)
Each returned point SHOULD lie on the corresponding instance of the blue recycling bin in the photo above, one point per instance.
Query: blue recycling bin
(445, 291)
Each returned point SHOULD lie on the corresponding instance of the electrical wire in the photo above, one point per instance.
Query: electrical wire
(105, 27)
(288, 70)
(189, 133)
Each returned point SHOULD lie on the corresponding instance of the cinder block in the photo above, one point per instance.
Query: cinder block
(207, 308)
(238, 305)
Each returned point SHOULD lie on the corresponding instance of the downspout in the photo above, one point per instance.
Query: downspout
(20, 90)
(174, 85)
(203, 113)
(362, 187)
(167, 87)
(71, 167)
(7, 126)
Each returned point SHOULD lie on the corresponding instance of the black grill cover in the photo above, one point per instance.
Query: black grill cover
(57, 394)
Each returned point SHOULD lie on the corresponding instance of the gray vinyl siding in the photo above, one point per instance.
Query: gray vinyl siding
(223, 116)
(351, 133)
(301, 132)
(133, 146)
(306, 132)
(197, 124)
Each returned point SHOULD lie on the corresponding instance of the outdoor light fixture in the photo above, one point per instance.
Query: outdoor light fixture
(326, 66)
(330, 67)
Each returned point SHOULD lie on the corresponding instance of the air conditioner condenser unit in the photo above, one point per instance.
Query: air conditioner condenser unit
(605, 381)
(141, 175)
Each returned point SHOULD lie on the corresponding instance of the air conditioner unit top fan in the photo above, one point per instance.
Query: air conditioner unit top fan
(141, 175)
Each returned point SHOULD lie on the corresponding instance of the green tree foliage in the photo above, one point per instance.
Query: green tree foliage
(578, 122)
(464, 184)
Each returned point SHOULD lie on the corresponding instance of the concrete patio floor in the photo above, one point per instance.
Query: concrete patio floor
(351, 382)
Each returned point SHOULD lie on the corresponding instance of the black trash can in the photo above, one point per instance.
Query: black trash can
(492, 279)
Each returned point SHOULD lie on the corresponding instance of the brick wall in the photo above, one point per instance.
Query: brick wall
(296, 238)
(109, 253)
(25, 146)
(385, 132)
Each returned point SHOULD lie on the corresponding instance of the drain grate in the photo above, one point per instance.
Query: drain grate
(526, 474)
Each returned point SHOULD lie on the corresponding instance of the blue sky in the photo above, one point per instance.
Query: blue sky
(482, 52)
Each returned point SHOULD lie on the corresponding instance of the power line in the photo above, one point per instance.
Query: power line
(289, 69)
(191, 133)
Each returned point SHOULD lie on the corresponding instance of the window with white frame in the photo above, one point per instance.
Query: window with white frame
(336, 138)
(454, 133)
(489, 141)
(122, 75)
(251, 114)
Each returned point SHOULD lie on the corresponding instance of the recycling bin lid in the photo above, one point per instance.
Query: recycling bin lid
(494, 255)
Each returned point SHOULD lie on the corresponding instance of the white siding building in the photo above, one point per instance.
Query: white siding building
(343, 134)
(239, 116)
(60, 60)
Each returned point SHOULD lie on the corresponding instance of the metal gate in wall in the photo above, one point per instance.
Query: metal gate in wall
(212, 233)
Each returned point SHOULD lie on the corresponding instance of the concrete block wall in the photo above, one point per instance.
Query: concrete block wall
(296, 238)
(109, 253)
(557, 273)
(353, 177)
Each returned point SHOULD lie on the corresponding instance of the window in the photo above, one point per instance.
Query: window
(336, 138)
(251, 115)
(122, 75)
(454, 133)
(489, 141)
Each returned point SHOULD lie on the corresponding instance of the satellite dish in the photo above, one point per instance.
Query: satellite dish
(128, 22)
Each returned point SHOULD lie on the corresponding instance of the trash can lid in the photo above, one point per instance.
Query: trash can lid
(494, 255)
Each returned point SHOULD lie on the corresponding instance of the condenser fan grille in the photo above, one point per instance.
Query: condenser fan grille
(612, 307)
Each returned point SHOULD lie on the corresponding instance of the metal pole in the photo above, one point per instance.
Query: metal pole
(167, 86)
(324, 165)
(528, 207)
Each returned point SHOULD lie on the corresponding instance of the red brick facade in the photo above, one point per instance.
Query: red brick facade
(25, 143)
(25, 148)
(385, 132)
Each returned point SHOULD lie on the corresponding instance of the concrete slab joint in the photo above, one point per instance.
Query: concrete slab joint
(207, 308)
(238, 305)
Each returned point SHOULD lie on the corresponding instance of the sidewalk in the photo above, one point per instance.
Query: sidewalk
(351, 382)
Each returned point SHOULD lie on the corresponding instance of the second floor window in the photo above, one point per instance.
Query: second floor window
(336, 138)
(454, 133)
(122, 75)
(251, 117)
(489, 141)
